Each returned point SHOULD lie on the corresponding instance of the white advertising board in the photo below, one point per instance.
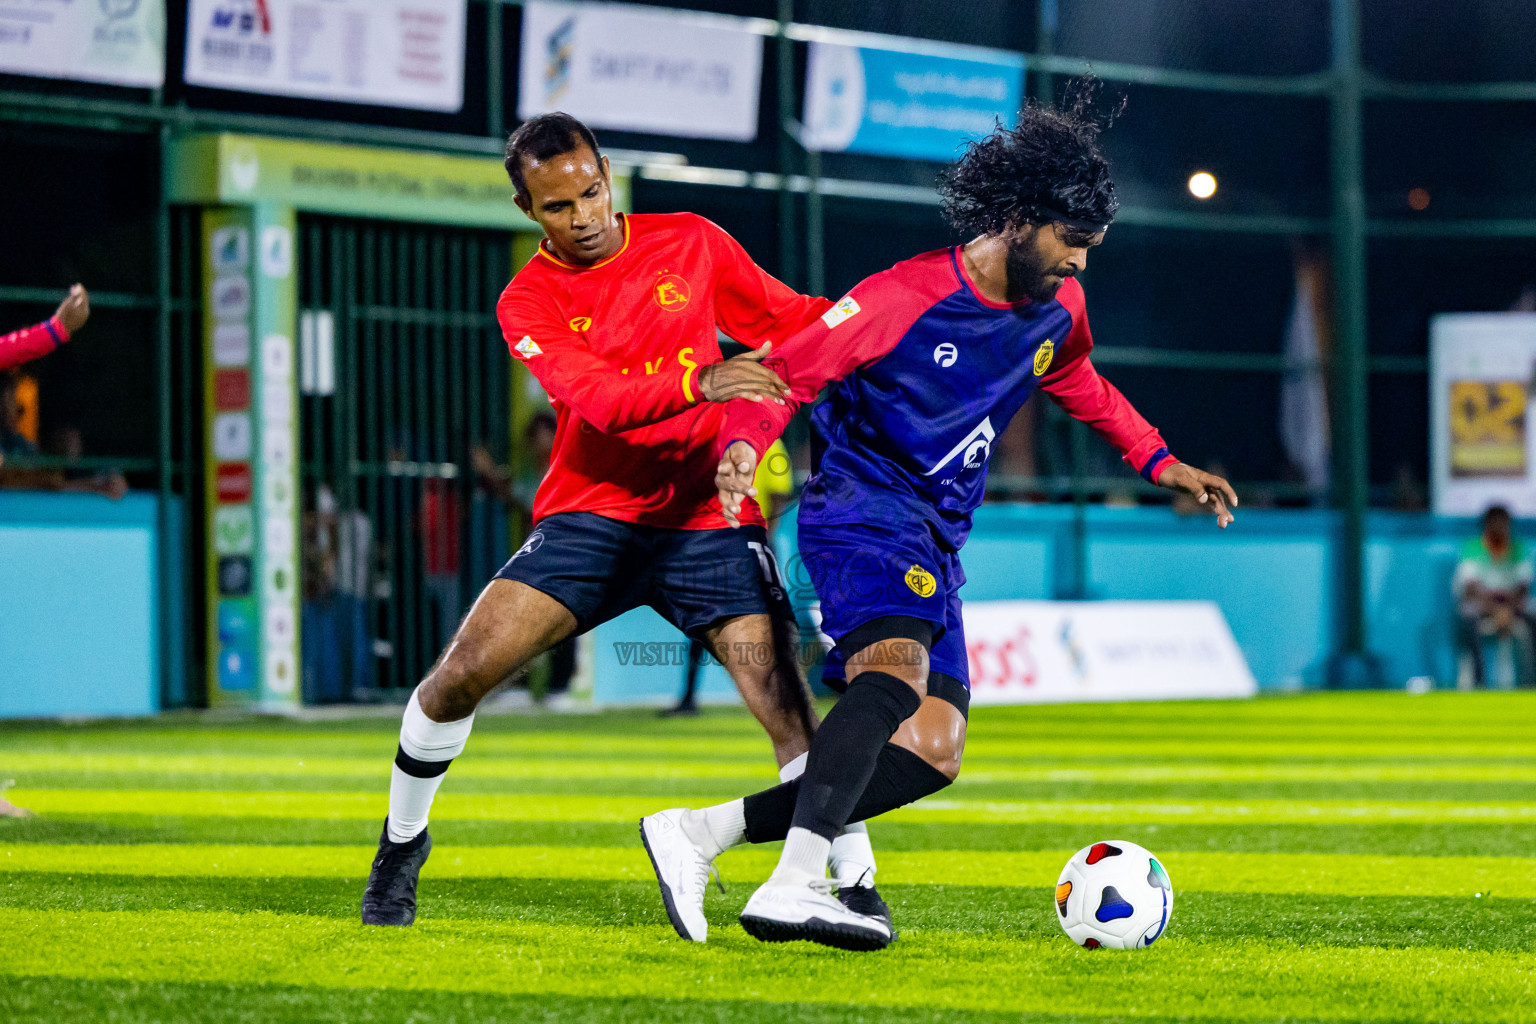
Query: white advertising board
(641, 69)
(1027, 652)
(395, 53)
(120, 42)
(1482, 448)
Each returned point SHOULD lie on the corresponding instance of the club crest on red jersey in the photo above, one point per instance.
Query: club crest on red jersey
(671, 292)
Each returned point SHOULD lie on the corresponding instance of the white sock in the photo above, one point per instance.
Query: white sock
(805, 852)
(717, 829)
(852, 859)
(410, 798)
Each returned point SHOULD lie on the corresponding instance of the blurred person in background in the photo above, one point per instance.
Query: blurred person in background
(1492, 583)
(65, 443)
(515, 492)
(775, 482)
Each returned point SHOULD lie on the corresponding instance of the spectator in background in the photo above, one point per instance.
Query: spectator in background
(775, 482)
(1491, 585)
(38, 340)
(516, 495)
(67, 444)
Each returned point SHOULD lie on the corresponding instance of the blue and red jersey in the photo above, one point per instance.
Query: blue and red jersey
(928, 373)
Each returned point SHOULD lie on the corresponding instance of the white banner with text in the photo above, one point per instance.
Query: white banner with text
(119, 42)
(1026, 652)
(394, 53)
(640, 69)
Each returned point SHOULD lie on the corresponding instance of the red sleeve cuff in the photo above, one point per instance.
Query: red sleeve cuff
(56, 328)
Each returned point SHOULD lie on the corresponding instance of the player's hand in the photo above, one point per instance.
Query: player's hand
(1208, 489)
(75, 310)
(733, 479)
(742, 376)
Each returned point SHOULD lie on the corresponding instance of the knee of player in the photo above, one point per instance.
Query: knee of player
(942, 753)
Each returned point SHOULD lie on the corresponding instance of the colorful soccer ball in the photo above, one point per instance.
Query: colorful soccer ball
(1113, 895)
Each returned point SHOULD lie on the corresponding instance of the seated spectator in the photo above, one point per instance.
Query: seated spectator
(1491, 585)
(68, 445)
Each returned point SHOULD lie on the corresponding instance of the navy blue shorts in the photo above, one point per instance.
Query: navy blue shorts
(600, 568)
(864, 572)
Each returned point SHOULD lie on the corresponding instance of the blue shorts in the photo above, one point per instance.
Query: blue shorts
(600, 568)
(864, 572)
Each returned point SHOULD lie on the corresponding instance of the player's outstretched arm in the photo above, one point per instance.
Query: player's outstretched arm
(1208, 489)
(30, 342)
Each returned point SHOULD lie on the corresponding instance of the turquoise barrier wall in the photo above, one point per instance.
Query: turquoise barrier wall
(1273, 575)
(79, 619)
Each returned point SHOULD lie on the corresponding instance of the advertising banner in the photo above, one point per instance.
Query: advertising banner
(641, 69)
(1027, 652)
(897, 102)
(395, 53)
(1482, 450)
(359, 181)
(250, 401)
(119, 42)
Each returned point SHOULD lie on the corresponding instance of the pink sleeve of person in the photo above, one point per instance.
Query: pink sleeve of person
(1077, 387)
(28, 343)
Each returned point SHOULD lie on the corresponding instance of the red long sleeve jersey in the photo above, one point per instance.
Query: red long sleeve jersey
(929, 373)
(618, 346)
(30, 342)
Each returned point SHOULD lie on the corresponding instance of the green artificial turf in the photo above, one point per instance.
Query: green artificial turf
(1340, 857)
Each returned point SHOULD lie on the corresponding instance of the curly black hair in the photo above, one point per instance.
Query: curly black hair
(1047, 167)
(543, 137)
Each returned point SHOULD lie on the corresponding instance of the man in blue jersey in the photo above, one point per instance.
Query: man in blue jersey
(930, 361)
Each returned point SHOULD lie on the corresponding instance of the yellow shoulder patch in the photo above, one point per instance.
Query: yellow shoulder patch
(921, 581)
(1043, 357)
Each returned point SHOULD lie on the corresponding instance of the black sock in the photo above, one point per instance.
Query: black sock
(900, 778)
(846, 747)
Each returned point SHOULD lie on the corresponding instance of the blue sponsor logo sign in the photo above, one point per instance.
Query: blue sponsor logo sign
(892, 102)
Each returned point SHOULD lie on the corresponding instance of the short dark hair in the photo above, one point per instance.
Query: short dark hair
(1048, 167)
(1496, 513)
(542, 137)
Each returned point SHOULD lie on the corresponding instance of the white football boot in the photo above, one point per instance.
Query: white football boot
(796, 905)
(682, 871)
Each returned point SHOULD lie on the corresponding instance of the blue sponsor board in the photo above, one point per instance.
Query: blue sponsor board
(893, 102)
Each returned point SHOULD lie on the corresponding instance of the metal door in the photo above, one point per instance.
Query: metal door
(403, 373)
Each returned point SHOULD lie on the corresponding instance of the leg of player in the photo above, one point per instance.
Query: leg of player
(888, 678)
(922, 757)
(510, 624)
(759, 653)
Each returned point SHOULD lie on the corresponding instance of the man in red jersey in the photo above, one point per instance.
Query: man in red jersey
(617, 317)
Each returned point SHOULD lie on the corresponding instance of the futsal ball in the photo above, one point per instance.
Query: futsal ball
(1113, 895)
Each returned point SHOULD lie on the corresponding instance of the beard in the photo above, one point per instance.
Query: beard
(1028, 276)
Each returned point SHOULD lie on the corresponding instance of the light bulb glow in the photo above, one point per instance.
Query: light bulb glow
(1202, 185)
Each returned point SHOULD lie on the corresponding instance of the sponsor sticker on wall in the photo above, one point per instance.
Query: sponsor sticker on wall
(641, 69)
